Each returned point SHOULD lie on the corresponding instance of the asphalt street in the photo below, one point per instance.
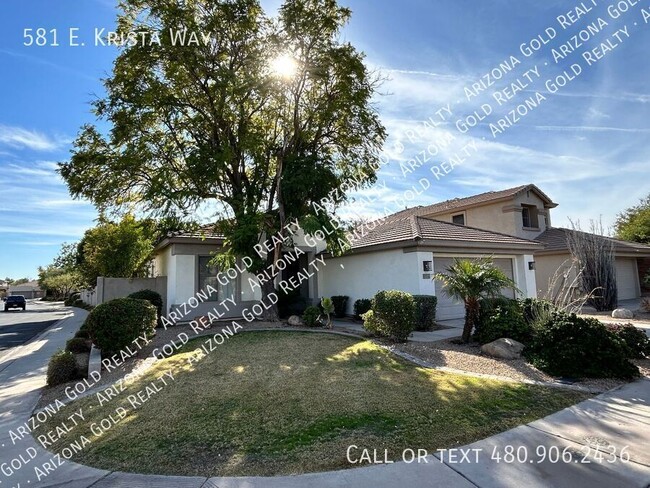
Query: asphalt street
(17, 327)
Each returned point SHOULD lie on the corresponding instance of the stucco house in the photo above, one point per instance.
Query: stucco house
(31, 289)
(401, 251)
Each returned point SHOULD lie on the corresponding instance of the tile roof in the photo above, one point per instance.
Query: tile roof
(458, 203)
(414, 228)
(555, 239)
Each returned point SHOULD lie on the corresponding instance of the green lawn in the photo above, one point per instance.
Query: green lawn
(270, 403)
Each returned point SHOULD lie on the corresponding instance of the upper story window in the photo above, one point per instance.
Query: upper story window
(458, 219)
(529, 216)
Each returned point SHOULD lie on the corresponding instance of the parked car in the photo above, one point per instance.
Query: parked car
(15, 301)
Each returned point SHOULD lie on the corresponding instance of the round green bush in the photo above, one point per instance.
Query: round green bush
(311, 316)
(78, 345)
(568, 345)
(361, 306)
(61, 368)
(116, 324)
(425, 312)
(504, 320)
(340, 305)
(636, 340)
(393, 315)
(152, 297)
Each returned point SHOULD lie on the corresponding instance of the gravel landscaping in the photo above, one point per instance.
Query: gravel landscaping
(468, 357)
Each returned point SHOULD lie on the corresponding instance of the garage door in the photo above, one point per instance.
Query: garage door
(452, 309)
(626, 278)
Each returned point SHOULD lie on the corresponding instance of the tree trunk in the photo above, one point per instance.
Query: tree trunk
(471, 316)
(271, 313)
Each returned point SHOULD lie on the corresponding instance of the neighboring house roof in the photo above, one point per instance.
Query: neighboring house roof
(425, 231)
(555, 241)
(473, 201)
(29, 286)
(205, 234)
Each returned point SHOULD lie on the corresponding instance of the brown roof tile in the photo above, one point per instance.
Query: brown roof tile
(556, 240)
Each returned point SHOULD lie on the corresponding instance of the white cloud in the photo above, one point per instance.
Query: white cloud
(18, 137)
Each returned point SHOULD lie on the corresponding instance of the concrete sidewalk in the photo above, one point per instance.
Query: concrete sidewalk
(571, 448)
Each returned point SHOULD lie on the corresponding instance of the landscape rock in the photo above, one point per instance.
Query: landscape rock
(622, 313)
(503, 349)
(295, 320)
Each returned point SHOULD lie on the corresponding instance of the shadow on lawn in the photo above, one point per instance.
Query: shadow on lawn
(278, 403)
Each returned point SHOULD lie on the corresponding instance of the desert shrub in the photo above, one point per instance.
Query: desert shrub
(311, 316)
(77, 345)
(71, 299)
(393, 315)
(645, 304)
(635, 339)
(340, 305)
(425, 312)
(61, 368)
(568, 345)
(152, 297)
(537, 312)
(361, 306)
(487, 305)
(117, 323)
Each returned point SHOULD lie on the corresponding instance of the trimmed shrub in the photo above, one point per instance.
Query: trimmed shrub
(502, 317)
(393, 315)
(370, 323)
(68, 302)
(61, 368)
(117, 323)
(311, 316)
(361, 306)
(568, 345)
(635, 339)
(152, 297)
(425, 312)
(340, 305)
(82, 333)
(77, 344)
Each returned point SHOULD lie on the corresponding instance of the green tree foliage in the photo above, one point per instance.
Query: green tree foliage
(216, 126)
(59, 282)
(633, 224)
(116, 249)
(471, 280)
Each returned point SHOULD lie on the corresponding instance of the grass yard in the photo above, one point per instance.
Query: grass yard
(271, 403)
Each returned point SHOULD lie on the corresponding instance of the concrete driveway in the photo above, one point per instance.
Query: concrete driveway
(17, 327)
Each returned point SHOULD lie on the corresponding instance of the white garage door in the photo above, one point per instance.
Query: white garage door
(452, 309)
(626, 278)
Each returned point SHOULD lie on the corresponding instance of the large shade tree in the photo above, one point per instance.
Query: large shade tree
(268, 116)
(633, 224)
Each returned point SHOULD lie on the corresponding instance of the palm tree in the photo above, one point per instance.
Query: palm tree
(469, 281)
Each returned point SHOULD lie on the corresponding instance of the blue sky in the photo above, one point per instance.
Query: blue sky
(586, 146)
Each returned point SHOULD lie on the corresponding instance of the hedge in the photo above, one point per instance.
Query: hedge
(425, 312)
(361, 306)
(340, 305)
(117, 323)
(502, 318)
(392, 315)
